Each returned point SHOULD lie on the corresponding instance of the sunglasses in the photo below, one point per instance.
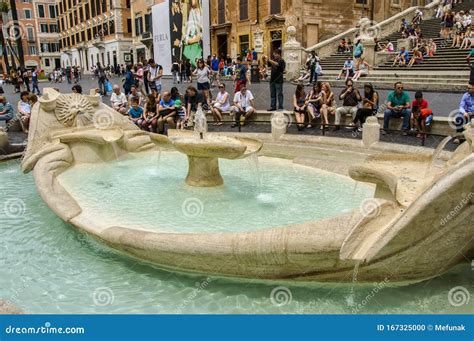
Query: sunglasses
(400, 88)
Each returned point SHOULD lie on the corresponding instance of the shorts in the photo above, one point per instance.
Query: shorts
(357, 56)
(247, 109)
(239, 83)
(203, 86)
(154, 86)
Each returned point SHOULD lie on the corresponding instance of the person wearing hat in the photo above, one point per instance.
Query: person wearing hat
(422, 115)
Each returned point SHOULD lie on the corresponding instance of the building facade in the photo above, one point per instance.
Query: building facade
(239, 25)
(47, 28)
(95, 31)
(27, 29)
(142, 29)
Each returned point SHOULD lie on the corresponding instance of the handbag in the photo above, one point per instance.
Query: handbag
(108, 86)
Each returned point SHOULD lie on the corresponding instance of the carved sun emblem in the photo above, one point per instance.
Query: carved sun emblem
(74, 110)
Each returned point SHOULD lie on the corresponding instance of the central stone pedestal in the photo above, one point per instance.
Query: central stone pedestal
(203, 172)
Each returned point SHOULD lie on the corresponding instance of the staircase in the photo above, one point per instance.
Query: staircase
(446, 71)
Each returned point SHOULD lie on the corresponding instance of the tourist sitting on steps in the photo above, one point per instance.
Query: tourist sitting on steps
(118, 100)
(192, 99)
(300, 107)
(24, 110)
(150, 117)
(347, 69)
(6, 110)
(166, 112)
(362, 71)
(220, 105)
(370, 103)
(466, 111)
(398, 105)
(243, 106)
(421, 116)
(315, 104)
(136, 112)
(402, 58)
(351, 98)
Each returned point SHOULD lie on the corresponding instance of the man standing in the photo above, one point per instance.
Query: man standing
(278, 66)
(240, 76)
(155, 72)
(350, 98)
(34, 82)
(398, 105)
(102, 78)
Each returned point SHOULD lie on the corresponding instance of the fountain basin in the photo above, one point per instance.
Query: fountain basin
(397, 236)
(203, 155)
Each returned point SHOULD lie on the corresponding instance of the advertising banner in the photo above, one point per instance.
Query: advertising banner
(180, 31)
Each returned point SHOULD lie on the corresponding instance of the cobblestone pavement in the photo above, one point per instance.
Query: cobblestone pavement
(442, 103)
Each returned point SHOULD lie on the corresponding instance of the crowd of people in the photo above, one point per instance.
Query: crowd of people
(153, 108)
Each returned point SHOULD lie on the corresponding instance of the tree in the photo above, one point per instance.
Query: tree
(18, 34)
(4, 8)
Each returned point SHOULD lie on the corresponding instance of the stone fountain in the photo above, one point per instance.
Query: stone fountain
(419, 224)
(204, 152)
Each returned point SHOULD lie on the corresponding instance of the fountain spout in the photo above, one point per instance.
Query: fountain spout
(200, 122)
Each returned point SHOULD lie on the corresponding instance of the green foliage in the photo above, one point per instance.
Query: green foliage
(4, 7)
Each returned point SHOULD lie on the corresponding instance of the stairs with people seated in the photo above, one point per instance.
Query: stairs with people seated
(430, 27)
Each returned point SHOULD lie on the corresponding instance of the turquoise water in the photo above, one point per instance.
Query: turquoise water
(144, 192)
(46, 266)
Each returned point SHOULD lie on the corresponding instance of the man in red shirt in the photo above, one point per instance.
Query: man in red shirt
(421, 115)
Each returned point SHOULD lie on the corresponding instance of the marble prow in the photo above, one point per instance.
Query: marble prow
(442, 212)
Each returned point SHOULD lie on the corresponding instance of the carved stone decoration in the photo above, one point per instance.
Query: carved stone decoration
(74, 110)
(291, 34)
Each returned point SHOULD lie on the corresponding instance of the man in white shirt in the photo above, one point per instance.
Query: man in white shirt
(118, 100)
(243, 107)
(155, 72)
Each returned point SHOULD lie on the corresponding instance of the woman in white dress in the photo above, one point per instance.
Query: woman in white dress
(220, 105)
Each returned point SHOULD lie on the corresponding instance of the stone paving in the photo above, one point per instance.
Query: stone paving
(442, 103)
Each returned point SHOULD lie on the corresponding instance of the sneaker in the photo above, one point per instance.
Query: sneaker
(404, 133)
(338, 78)
(234, 125)
(272, 109)
(242, 120)
(383, 132)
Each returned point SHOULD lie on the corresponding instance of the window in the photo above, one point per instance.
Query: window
(32, 50)
(41, 11)
(244, 44)
(148, 23)
(129, 25)
(52, 11)
(362, 2)
(221, 11)
(53, 28)
(88, 15)
(275, 6)
(44, 28)
(243, 9)
(27, 14)
(31, 35)
(46, 62)
(112, 27)
(138, 26)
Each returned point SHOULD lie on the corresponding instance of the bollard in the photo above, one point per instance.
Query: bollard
(371, 132)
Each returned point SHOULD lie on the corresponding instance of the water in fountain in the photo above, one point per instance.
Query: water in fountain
(200, 122)
(350, 299)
